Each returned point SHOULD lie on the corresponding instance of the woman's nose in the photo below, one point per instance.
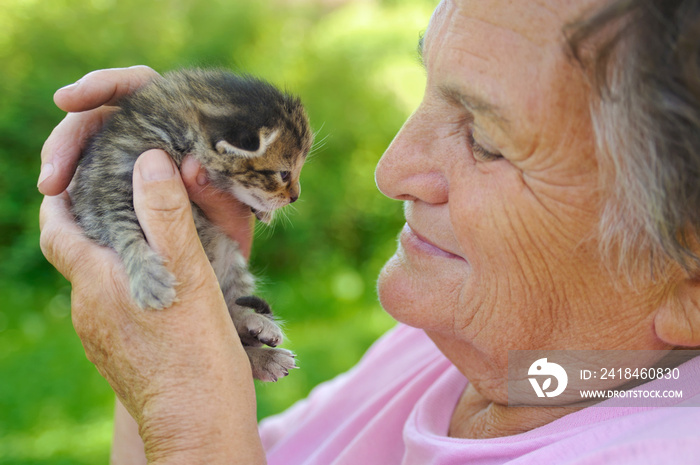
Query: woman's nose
(412, 168)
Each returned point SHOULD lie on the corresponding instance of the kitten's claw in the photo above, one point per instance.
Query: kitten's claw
(270, 364)
(255, 332)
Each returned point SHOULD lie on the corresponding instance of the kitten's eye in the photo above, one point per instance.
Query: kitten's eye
(480, 152)
(286, 176)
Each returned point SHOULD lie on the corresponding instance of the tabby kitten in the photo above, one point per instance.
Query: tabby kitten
(252, 140)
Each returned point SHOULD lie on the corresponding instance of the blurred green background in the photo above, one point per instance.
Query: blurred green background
(354, 65)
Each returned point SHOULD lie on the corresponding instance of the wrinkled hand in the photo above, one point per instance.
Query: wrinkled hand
(181, 372)
(90, 101)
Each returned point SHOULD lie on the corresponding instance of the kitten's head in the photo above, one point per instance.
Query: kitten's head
(257, 149)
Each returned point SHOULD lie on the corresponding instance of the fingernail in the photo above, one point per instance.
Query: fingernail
(202, 177)
(156, 165)
(190, 166)
(69, 86)
(46, 172)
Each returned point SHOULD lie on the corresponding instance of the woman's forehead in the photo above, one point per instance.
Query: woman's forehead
(539, 21)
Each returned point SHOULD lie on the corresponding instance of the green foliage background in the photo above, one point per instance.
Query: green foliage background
(354, 66)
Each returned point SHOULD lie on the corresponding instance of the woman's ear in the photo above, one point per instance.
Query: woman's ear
(677, 321)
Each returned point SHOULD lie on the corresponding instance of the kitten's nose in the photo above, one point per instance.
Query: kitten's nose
(293, 192)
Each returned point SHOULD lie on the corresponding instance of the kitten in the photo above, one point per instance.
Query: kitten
(252, 140)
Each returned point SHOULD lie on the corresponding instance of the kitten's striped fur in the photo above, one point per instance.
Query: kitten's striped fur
(251, 138)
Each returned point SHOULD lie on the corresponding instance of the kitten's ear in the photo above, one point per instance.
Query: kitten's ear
(247, 144)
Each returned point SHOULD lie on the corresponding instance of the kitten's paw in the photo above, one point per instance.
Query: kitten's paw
(255, 327)
(270, 364)
(152, 285)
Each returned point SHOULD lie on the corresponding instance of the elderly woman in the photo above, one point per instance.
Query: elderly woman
(550, 179)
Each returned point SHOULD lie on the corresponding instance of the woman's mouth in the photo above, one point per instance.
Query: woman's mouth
(414, 241)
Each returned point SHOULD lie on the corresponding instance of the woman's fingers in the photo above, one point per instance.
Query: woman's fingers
(63, 243)
(91, 98)
(164, 213)
(61, 151)
(102, 87)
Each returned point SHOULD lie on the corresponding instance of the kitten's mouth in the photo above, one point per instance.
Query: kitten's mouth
(265, 217)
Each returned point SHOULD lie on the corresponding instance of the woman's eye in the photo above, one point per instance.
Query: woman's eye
(285, 175)
(480, 152)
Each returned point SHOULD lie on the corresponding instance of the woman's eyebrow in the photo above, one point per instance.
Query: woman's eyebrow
(475, 104)
(419, 48)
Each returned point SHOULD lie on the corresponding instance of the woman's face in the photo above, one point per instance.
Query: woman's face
(499, 177)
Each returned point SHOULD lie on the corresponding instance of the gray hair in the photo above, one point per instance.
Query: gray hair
(644, 60)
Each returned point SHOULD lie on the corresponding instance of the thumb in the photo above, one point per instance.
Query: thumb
(163, 209)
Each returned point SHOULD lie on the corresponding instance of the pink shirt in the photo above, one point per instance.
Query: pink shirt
(395, 406)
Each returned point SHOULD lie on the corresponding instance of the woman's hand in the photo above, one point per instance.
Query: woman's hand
(180, 372)
(90, 101)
